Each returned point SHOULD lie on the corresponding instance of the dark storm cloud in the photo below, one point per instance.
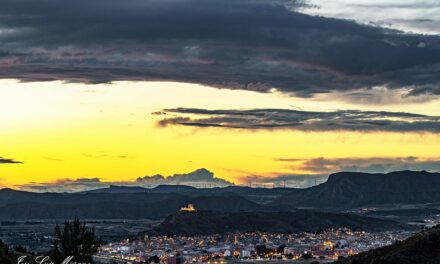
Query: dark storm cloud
(247, 44)
(9, 161)
(351, 120)
(370, 165)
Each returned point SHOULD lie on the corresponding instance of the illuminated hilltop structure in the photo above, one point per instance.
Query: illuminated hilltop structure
(189, 208)
(328, 245)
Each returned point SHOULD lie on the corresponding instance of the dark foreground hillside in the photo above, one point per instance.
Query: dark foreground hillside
(423, 248)
(216, 222)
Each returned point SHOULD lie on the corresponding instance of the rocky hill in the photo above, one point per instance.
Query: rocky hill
(352, 189)
(423, 248)
(213, 222)
(24, 205)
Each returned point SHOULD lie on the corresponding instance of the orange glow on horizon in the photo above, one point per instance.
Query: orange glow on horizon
(71, 131)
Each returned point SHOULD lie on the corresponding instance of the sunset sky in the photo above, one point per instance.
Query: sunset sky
(255, 91)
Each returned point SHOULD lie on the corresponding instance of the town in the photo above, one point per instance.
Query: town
(325, 246)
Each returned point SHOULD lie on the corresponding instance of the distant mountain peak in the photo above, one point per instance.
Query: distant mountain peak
(10, 190)
(202, 170)
(353, 189)
(7, 190)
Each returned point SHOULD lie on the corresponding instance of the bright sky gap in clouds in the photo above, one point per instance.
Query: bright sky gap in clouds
(252, 90)
(418, 16)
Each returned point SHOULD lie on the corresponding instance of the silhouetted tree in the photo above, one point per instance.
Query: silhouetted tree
(75, 240)
(154, 259)
(20, 249)
(281, 248)
(5, 257)
(179, 259)
(261, 250)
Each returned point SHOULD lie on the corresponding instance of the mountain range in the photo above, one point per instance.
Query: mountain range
(342, 191)
(24, 205)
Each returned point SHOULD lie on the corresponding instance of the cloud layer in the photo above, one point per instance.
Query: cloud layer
(249, 44)
(9, 161)
(319, 169)
(200, 178)
(421, 16)
(350, 120)
(369, 165)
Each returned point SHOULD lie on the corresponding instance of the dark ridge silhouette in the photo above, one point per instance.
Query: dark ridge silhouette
(216, 222)
(24, 205)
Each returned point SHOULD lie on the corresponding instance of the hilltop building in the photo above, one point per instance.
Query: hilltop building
(189, 208)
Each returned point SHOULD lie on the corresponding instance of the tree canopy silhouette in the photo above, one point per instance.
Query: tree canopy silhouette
(75, 240)
(5, 254)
